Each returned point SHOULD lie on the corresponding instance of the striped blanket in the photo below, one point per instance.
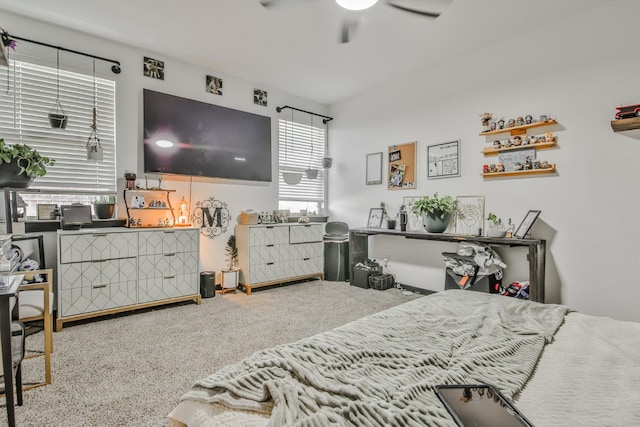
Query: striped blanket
(381, 369)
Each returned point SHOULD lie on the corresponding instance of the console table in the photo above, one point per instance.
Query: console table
(359, 250)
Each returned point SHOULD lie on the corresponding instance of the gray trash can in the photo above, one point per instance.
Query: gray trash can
(208, 284)
(336, 252)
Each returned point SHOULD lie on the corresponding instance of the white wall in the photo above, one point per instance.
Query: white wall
(577, 70)
(183, 80)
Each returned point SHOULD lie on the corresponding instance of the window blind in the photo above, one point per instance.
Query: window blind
(300, 147)
(24, 108)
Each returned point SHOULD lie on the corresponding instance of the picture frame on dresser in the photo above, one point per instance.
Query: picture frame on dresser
(375, 218)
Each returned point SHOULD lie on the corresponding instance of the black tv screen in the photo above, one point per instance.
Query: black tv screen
(187, 137)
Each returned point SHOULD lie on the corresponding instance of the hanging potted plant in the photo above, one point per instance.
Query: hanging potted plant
(57, 117)
(20, 165)
(435, 211)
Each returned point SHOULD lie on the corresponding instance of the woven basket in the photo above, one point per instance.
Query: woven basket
(381, 282)
(248, 218)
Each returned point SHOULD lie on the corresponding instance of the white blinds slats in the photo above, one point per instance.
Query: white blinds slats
(295, 154)
(24, 110)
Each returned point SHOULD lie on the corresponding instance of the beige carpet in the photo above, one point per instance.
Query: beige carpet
(132, 370)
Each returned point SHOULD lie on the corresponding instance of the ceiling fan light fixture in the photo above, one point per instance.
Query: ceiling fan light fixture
(356, 4)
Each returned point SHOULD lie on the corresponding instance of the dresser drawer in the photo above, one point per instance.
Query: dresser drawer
(269, 235)
(306, 233)
(306, 266)
(97, 246)
(268, 253)
(306, 250)
(168, 241)
(103, 296)
(94, 274)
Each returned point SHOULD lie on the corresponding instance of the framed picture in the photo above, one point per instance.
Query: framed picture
(469, 217)
(374, 168)
(375, 218)
(414, 222)
(260, 97)
(46, 211)
(214, 85)
(526, 224)
(153, 68)
(443, 160)
(402, 166)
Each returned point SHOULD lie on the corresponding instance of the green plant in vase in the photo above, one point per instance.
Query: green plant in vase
(21, 164)
(436, 211)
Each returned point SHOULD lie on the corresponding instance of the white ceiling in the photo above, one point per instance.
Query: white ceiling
(294, 48)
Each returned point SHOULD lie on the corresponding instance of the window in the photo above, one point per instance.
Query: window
(25, 103)
(301, 147)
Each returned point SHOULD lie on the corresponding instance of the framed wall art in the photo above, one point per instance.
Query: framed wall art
(46, 211)
(443, 160)
(402, 166)
(375, 218)
(526, 224)
(374, 168)
(414, 222)
(469, 217)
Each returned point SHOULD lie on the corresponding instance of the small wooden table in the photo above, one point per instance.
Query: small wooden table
(359, 250)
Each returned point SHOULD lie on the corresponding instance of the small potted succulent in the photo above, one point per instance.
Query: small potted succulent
(20, 165)
(435, 211)
(496, 227)
(391, 223)
(104, 206)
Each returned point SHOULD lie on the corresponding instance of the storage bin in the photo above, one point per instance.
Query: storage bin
(248, 218)
(481, 283)
(381, 282)
(361, 276)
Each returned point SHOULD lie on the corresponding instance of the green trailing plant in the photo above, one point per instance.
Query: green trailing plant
(105, 200)
(30, 161)
(434, 206)
(232, 252)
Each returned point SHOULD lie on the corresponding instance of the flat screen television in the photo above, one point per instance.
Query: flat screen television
(188, 137)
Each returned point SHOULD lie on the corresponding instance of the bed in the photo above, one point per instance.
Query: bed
(558, 366)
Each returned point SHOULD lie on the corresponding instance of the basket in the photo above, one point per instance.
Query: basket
(248, 218)
(381, 282)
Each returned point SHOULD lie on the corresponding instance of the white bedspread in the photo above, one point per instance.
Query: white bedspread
(380, 370)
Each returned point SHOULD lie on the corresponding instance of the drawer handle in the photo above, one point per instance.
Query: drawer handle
(99, 286)
(100, 260)
(169, 232)
(100, 235)
(170, 254)
(270, 246)
(170, 277)
(270, 263)
(306, 259)
(269, 227)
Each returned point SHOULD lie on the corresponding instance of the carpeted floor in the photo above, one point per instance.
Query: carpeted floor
(132, 370)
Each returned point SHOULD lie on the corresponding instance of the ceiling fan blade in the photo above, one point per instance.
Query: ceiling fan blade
(270, 3)
(426, 13)
(348, 30)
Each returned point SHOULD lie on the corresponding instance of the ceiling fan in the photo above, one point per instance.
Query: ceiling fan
(350, 24)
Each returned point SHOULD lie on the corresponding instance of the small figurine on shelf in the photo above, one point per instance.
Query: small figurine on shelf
(517, 140)
(517, 166)
(544, 165)
(506, 143)
(493, 125)
(536, 164)
(519, 121)
(532, 139)
(499, 167)
(528, 119)
(496, 144)
(548, 137)
(492, 167)
(544, 118)
(485, 118)
(511, 123)
(485, 168)
(501, 124)
(527, 163)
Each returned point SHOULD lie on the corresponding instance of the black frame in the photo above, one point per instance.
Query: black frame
(526, 224)
(488, 389)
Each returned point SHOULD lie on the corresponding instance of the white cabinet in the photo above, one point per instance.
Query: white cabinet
(269, 254)
(103, 272)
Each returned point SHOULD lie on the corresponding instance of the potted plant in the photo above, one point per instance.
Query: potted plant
(391, 223)
(496, 228)
(435, 211)
(20, 165)
(104, 206)
(230, 275)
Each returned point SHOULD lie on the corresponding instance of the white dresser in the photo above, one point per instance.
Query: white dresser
(105, 271)
(278, 253)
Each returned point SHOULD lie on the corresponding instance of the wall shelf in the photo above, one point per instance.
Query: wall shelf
(487, 151)
(519, 130)
(629, 127)
(549, 170)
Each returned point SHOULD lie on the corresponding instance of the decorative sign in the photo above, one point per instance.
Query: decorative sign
(212, 216)
(402, 166)
(443, 160)
(515, 160)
